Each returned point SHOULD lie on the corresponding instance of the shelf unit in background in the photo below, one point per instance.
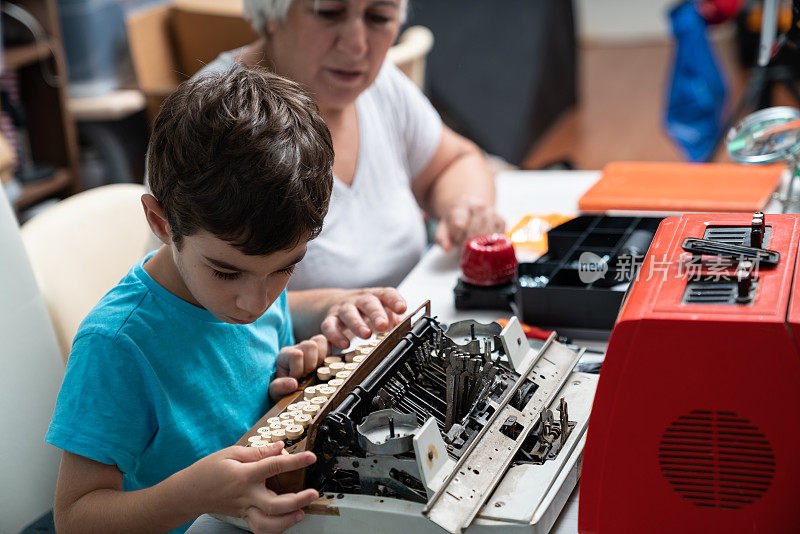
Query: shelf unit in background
(51, 128)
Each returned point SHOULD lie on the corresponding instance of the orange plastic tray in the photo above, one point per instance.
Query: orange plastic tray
(682, 187)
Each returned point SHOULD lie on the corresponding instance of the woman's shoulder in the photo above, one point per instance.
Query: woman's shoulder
(222, 63)
(225, 60)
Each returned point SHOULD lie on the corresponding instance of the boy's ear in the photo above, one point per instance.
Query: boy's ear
(155, 218)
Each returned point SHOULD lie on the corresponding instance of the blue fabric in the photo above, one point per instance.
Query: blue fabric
(697, 91)
(154, 383)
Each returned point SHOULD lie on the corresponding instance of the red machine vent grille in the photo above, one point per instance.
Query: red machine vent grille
(716, 459)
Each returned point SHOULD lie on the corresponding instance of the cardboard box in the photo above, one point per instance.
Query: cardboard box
(170, 42)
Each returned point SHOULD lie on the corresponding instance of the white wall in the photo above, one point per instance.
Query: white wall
(622, 20)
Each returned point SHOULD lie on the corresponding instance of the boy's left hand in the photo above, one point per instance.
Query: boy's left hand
(295, 362)
(362, 312)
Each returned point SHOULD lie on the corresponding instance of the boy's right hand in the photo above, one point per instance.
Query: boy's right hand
(232, 482)
(295, 362)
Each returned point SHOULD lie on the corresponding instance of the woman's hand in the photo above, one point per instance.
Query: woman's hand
(295, 362)
(362, 312)
(467, 219)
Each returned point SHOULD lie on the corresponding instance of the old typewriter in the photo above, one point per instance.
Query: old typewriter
(437, 427)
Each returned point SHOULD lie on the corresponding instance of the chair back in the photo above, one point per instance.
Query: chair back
(411, 51)
(81, 247)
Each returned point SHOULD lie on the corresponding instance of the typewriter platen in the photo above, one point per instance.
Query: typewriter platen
(458, 426)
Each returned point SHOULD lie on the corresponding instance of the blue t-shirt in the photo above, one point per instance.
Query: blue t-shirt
(154, 383)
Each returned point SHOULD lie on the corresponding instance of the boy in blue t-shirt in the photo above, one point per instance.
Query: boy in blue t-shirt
(194, 344)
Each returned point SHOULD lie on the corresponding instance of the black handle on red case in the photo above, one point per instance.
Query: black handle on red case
(763, 256)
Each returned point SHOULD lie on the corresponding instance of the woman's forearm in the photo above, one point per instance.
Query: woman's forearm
(457, 188)
(457, 174)
(466, 178)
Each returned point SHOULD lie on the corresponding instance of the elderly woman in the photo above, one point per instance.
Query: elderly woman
(393, 155)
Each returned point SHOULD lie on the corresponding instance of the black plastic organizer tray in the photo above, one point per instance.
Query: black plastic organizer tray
(578, 294)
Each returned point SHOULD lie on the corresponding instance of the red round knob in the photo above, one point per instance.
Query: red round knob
(488, 260)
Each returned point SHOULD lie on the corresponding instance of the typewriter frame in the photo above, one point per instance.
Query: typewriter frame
(547, 486)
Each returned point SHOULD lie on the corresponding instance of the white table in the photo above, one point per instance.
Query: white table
(518, 193)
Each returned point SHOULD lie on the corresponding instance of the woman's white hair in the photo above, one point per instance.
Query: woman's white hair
(259, 12)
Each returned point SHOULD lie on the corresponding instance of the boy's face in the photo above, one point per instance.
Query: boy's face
(235, 287)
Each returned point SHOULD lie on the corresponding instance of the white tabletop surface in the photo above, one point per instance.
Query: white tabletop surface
(518, 193)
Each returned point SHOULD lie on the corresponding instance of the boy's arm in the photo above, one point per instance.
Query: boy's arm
(89, 496)
(337, 312)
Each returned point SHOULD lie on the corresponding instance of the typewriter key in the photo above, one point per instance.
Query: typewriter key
(326, 392)
(294, 432)
(324, 373)
(303, 419)
(311, 409)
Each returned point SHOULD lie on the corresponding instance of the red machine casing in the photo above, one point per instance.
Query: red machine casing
(696, 420)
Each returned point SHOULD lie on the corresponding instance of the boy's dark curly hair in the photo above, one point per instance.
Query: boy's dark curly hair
(245, 156)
